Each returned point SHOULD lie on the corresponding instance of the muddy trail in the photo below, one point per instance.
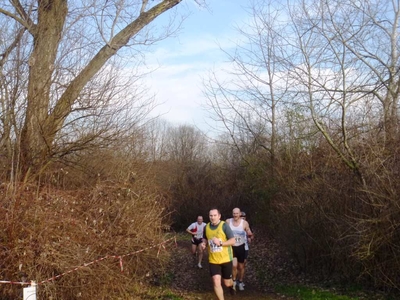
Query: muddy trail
(264, 269)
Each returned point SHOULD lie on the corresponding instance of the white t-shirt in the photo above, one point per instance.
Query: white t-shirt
(198, 229)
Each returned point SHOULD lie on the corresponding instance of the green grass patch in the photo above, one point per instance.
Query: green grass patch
(308, 293)
(166, 279)
(170, 296)
(156, 293)
(179, 236)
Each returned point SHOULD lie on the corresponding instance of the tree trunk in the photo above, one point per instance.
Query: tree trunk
(41, 125)
(35, 141)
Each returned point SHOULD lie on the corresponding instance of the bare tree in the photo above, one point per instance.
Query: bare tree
(319, 58)
(247, 103)
(12, 56)
(156, 132)
(71, 43)
(337, 66)
(186, 145)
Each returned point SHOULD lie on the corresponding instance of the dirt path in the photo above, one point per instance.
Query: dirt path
(268, 266)
(191, 283)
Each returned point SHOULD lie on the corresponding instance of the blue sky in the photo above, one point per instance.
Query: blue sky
(185, 59)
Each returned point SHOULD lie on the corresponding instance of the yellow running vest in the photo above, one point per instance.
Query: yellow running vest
(218, 254)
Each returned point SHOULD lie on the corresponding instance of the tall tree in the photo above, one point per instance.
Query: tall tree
(94, 32)
(320, 58)
(248, 104)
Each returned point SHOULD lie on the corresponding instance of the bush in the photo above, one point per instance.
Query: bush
(47, 232)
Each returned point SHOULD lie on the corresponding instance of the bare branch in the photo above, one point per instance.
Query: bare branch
(24, 19)
(144, 5)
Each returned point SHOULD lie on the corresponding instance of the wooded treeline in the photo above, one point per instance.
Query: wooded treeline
(308, 144)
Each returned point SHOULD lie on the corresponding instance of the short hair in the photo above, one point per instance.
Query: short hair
(214, 208)
(243, 214)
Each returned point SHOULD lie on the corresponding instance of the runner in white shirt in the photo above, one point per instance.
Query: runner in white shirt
(241, 231)
(196, 229)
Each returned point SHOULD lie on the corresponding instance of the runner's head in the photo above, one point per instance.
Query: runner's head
(199, 220)
(215, 216)
(243, 215)
(236, 213)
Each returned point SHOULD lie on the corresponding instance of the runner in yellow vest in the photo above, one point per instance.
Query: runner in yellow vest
(219, 238)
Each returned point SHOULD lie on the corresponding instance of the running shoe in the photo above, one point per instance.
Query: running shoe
(232, 290)
(199, 266)
(241, 286)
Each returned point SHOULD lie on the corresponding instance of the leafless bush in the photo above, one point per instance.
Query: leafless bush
(375, 225)
(335, 226)
(47, 232)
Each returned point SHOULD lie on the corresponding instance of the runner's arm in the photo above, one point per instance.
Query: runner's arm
(189, 230)
(249, 233)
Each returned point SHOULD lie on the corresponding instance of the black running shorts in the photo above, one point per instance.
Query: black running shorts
(239, 252)
(225, 270)
(196, 241)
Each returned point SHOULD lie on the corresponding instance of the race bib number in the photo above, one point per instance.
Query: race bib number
(199, 235)
(238, 239)
(214, 247)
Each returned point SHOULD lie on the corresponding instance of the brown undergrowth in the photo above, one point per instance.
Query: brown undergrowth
(49, 232)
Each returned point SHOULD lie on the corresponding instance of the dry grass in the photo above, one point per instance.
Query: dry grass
(47, 232)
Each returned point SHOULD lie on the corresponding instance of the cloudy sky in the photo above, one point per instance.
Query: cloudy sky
(184, 60)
